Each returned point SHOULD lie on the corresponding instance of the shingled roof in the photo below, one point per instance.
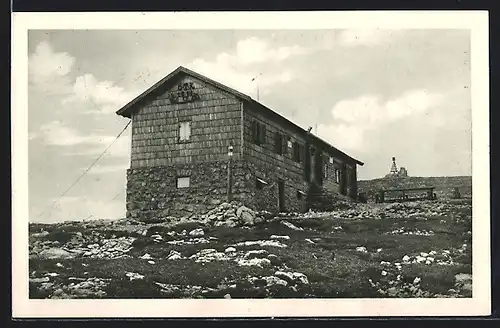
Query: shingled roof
(134, 104)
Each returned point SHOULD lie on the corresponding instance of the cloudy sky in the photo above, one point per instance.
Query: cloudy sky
(372, 93)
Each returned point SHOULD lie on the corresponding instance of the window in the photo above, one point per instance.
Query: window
(183, 182)
(259, 183)
(278, 143)
(325, 169)
(331, 160)
(297, 152)
(258, 133)
(184, 131)
(337, 175)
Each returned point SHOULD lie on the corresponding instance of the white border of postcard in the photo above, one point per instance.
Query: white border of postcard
(475, 21)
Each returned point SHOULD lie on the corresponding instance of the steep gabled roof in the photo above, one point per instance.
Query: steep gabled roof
(129, 108)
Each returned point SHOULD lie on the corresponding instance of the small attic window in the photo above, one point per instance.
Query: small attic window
(183, 182)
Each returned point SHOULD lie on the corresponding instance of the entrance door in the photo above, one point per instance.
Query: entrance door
(281, 196)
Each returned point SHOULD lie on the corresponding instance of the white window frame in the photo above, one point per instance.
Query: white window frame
(184, 131)
(185, 185)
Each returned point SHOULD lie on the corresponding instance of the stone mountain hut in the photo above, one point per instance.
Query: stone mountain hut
(197, 142)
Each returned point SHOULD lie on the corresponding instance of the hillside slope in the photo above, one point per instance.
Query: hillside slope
(415, 249)
(444, 185)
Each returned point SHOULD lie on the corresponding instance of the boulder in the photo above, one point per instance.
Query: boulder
(230, 250)
(197, 232)
(300, 277)
(272, 281)
(230, 223)
(247, 218)
(243, 209)
(174, 255)
(361, 249)
(254, 254)
(252, 262)
(55, 253)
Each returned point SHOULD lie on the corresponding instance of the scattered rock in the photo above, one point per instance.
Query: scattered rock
(230, 250)
(280, 237)
(197, 232)
(463, 277)
(254, 254)
(146, 257)
(291, 226)
(262, 243)
(361, 249)
(209, 255)
(254, 261)
(247, 218)
(227, 296)
(174, 255)
(272, 281)
(39, 280)
(134, 275)
(292, 277)
(55, 253)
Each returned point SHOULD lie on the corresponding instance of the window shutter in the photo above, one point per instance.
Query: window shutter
(296, 152)
(254, 131)
(284, 145)
(263, 134)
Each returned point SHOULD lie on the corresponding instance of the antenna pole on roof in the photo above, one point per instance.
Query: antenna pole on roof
(255, 78)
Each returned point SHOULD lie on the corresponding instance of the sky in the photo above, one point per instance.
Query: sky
(372, 93)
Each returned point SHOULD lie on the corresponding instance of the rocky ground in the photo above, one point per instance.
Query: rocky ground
(418, 249)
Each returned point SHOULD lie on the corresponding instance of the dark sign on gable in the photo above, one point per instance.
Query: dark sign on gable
(186, 92)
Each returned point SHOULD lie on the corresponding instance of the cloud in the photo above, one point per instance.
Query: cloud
(237, 69)
(235, 78)
(119, 149)
(342, 136)
(354, 117)
(104, 95)
(371, 110)
(49, 70)
(57, 134)
(255, 50)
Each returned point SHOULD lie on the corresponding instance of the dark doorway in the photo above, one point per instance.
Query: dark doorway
(281, 196)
